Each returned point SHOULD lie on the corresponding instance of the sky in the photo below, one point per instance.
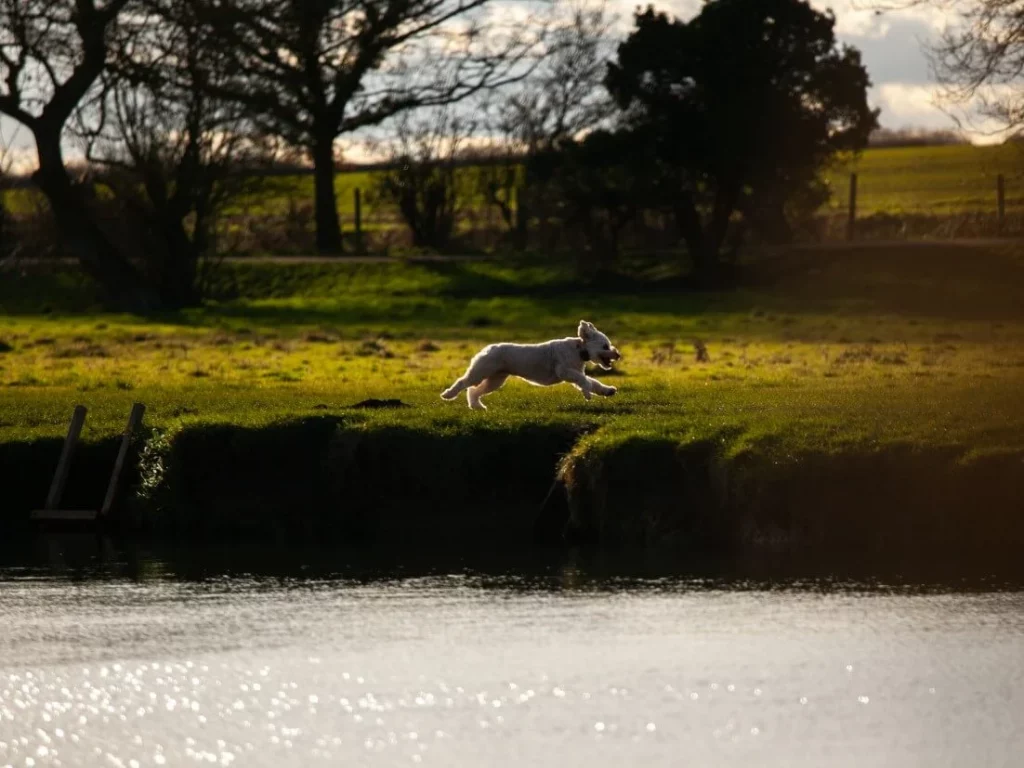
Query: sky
(893, 47)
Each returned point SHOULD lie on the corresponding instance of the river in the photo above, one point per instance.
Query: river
(140, 660)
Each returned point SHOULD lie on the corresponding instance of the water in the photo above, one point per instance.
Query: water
(145, 661)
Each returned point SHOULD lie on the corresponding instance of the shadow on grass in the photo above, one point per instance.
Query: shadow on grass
(916, 280)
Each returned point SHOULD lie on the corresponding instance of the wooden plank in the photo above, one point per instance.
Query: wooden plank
(134, 421)
(64, 514)
(60, 477)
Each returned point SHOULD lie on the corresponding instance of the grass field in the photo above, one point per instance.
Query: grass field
(868, 358)
(940, 180)
(860, 345)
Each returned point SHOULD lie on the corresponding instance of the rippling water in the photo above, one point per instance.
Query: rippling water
(547, 667)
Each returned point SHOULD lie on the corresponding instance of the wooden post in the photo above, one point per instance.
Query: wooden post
(60, 477)
(1001, 201)
(851, 221)
(359, 220)
(134, 420)
(522, 218)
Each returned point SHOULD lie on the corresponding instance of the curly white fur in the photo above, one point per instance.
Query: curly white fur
(552, 362)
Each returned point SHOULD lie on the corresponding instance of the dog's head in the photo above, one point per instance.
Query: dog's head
(597, 346)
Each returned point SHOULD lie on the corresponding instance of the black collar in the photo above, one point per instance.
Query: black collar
(584, 355)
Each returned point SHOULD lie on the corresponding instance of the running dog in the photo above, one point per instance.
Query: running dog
(552, 362)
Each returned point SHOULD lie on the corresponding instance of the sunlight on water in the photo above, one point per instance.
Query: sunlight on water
(456, 671)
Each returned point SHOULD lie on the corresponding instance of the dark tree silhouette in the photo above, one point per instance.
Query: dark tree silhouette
(312, 70)
(164, 148)
(52, 53)
(748, 93)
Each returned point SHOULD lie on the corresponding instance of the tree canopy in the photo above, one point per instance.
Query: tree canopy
(748, 94)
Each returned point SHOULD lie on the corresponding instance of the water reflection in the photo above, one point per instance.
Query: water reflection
(87, 556)
(135, 654)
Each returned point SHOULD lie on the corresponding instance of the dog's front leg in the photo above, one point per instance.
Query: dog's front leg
(601, 389)
(578, 378)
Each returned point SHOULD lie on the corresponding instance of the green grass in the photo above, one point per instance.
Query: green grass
(879, 385)
(939, 180)
(915, 345)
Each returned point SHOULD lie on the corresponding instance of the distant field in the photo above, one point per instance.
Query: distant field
(926, 180)
(932, 180)
(942, 180)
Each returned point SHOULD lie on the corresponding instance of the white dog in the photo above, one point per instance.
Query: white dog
(542, 364)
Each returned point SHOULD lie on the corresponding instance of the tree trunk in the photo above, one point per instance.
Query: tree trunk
(726, 197)
(692, 230)
(704, 244)
(328, 226)
(177, 267)
(121, 283)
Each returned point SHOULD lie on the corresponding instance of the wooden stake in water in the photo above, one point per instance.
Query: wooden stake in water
(60, 477)
(134, 421)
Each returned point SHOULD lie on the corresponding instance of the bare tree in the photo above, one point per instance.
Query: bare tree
(166, 147)
(979, 59)
(52, 52)
(312, 70)
(565, 95)
(562, 98)
(423, 182)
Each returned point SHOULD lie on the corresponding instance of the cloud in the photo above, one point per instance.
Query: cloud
(860, 18)
(918, 105)
(893, 45)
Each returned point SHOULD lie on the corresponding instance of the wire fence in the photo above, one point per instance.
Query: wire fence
(884, 201)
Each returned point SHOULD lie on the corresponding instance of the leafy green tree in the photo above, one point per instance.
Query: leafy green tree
(748, 94)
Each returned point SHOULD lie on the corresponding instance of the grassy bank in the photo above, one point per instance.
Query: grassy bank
(844, 389)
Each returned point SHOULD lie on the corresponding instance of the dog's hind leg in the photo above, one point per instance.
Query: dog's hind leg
(488, 385)
(479, 369)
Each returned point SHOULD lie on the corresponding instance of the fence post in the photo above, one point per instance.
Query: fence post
(1001, 198)
(522, 217)
(359, 220)
(851, 221)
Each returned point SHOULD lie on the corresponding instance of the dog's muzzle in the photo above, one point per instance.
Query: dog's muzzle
(607, 358)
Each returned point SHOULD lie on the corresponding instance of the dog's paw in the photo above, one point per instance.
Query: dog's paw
(610, 391)
(449, 395)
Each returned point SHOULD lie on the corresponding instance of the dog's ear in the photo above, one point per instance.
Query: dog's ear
(585, 329)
